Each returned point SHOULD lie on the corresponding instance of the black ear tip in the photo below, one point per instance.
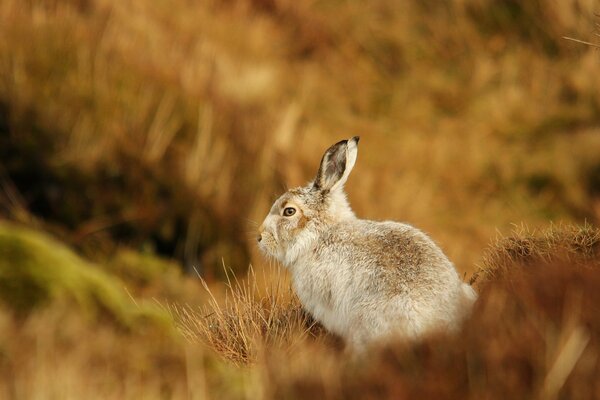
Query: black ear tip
(356, 139)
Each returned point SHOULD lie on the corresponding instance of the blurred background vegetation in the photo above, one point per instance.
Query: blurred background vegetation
(143, 140)
(170, 126)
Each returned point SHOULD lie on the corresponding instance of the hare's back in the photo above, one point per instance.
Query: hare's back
(396, 252)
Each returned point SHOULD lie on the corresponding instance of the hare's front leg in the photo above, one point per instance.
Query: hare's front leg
(362, 330)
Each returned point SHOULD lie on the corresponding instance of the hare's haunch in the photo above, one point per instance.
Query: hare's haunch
(363, 280)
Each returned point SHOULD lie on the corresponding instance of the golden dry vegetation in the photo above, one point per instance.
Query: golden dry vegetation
(142, 142)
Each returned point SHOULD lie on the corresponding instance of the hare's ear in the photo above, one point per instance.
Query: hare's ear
(336, 164)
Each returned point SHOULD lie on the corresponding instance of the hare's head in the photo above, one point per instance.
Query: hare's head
(300, 214)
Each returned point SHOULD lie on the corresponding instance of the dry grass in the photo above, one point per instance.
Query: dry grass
(253, 316)
(571, 245)
(55, 354)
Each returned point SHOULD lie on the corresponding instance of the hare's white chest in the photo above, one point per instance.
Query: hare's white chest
(325, 293)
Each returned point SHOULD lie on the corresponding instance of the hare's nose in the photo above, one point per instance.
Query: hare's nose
(260, 232)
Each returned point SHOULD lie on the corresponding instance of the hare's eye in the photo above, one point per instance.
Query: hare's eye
(289, 211)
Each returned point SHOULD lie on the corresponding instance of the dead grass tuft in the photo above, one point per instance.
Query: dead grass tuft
(574, 246)
(256, 312)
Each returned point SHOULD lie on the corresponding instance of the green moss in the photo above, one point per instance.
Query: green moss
(36, 269)
(140, 268)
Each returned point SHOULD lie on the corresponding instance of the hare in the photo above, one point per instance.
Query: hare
(362, 280)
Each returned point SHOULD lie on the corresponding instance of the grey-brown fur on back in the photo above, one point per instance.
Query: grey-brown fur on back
(363, 280)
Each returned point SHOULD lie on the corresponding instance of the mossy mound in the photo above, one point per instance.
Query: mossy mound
(140, 268)
(36, 269)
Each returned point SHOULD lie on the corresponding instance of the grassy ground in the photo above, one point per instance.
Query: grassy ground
(534, 333)
(140, 140)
